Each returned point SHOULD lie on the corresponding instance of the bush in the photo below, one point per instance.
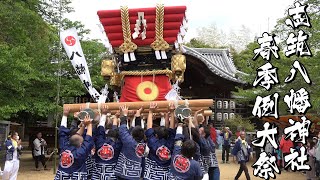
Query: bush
(238, 123)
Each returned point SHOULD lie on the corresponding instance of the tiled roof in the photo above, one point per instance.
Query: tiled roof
(219, 61)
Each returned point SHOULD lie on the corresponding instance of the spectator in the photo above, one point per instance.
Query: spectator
(317, 147)
(269, 148)
(285, 146)
(311, 174)
(39, 151)
(242, 151)
(226, 134)
(219, 139)
(13, 147)
(213, 132)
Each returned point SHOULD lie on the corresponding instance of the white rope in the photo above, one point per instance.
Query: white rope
(142, 123)
(186, 102)
(99, 108)
(176, 103)
(88, 105)
(133, 122)
(190, 123)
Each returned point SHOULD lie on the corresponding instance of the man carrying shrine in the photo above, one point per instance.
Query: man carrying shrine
(129, 165)
(108, 147)
(183, 166)
(160, 142)
(74, 149)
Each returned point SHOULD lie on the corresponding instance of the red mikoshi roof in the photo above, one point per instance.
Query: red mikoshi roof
(173, 19)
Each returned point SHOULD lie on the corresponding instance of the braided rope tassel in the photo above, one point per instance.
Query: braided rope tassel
(159, 44)
(127, 46)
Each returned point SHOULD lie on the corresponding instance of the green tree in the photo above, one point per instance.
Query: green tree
(238, 123)
(29, 48)
(245, 63)
(195, 43)
(24, 42)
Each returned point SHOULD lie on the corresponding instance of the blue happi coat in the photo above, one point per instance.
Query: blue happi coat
(72, 159)
(159, 158)
(129, 165)
(106, 156)
(181, 167)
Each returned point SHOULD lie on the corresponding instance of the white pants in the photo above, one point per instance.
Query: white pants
(11, 169)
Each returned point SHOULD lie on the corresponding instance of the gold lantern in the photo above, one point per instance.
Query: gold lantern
(108, 68)
(178, 67)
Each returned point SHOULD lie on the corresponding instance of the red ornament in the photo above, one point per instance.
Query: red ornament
(140, 149)
(66, 159)
(163, 153)
(70, 40)
(181, 164)
(106, 152)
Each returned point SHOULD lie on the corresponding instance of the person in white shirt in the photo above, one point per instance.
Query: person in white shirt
(39, 149)
(13, 151)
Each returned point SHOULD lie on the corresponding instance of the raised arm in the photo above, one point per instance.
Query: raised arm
(178, 140)
(116, 120)
(64, 120)
(124, 135)
(100, 135)
(138, 120)
(88, 123)
(166, 120)
(201, 121)
(152, 108)
(104, 112)
(87, 145)
(63, 131)
(172, 119)
(81, 129)
(19, 147)
(195, 122)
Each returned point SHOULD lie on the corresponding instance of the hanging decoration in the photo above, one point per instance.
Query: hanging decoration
(178, 67)
(71, 43)
(127, 47)
(174, 93)
(138, 27)
(160, 45)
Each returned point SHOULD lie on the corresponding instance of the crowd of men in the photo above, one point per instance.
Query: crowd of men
(120, 147)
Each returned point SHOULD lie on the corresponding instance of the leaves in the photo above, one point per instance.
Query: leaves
(29, 52)
(238, 123)
(244, 62)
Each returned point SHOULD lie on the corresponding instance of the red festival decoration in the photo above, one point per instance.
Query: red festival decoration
(131, 91)
(70, 40)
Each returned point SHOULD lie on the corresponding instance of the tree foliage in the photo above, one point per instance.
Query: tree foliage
(195, 43)
(244, 62)
(29, 50)
(239, 123)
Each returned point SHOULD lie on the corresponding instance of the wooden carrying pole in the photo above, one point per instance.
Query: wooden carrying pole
(205, 113)
(136, 105)
(163, 110)
(157, 111)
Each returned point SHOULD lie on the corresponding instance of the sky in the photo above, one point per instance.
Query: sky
(259, 15)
